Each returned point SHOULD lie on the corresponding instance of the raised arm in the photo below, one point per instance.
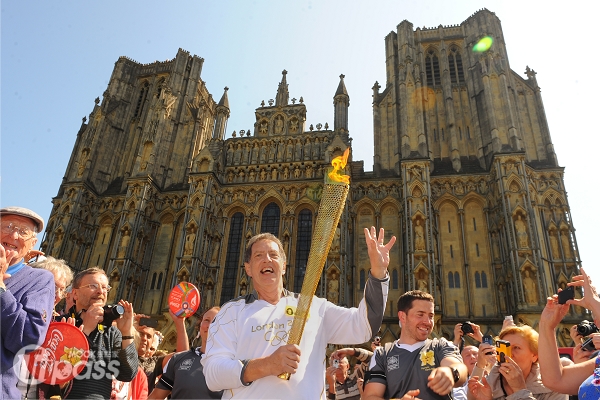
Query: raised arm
(554, 375)
(379, 253)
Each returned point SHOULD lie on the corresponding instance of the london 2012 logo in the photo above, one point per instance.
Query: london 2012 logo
(276, 338)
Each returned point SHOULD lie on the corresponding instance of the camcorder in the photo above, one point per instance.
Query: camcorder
(502, 350)
(467, 328)
(111, 313)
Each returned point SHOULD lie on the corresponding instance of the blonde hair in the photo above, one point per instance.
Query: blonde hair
(526, 332)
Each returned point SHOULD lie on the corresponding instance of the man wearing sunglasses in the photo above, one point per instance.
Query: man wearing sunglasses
(26, 294)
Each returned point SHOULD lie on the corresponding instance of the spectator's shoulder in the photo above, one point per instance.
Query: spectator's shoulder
(39, 275)
(246, 299)
(441, 342)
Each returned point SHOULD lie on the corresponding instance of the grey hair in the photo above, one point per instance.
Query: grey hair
(59, 268)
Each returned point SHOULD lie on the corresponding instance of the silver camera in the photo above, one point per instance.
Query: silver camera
(336, 363)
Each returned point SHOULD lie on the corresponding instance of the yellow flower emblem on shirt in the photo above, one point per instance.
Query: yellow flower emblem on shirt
(72, 355)
(427, 358)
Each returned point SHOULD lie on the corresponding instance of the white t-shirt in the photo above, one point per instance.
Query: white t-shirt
(248, 328)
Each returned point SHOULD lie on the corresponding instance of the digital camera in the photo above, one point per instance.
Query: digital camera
(586, 328)
(503, 350)
(111, 313)
(467, 328)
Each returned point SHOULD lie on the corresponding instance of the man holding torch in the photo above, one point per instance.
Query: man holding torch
(248, 344)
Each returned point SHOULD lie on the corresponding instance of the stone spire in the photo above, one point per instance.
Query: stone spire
(341, 102)
(282, 92)
(222, 116)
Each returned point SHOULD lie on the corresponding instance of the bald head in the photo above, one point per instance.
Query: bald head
(469, 356)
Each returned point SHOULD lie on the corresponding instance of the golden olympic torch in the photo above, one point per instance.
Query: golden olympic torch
(332, 204)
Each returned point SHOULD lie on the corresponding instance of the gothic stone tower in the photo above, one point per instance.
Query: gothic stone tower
(155, 195)
(485, 219)
(464, 175)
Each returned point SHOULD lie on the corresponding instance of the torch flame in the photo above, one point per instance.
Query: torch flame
(339, 163)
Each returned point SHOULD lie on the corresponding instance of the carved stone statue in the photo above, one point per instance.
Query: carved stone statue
(124, 243)
(263, 128)
(335, 245)
(229, 154)
(554, 247)
(263, 153)
(307, 148)
(280, 151)
(298, 150)
(316, 148)
(289, 150)
(333, 288)
(114, 283)
(237, 155)
(190, 239)
(293, 125)
(566, 245)
(255, 151)
(522, 238)
(419, 237)
(502, 297)
(279, 125)
(215, 252)
(530, 289)
(82, 162)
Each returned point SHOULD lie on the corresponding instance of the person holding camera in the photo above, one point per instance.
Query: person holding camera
(342, 386)
(517, 373)
(582, 378)
(363, 357)
(112, 349)
(466, 328)
(581, 353)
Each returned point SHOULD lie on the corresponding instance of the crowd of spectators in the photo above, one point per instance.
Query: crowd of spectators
(242, 349)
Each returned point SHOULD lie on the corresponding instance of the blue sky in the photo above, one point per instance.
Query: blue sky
(57, 57)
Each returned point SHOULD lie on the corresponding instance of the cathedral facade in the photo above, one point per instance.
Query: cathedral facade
(464, 174)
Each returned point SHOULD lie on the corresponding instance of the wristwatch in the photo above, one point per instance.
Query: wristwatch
(455, 374)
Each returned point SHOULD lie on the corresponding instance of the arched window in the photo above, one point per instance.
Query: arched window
(395, 279)
(302, 247)
(153, 281)
(432, 69)
(477, 280)
(159, 282)
(483, 280)
(456, 280)
(362, 279)
(450, 280)
(233, 255)
(455, 64)
(270, 219)
(141, 99)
